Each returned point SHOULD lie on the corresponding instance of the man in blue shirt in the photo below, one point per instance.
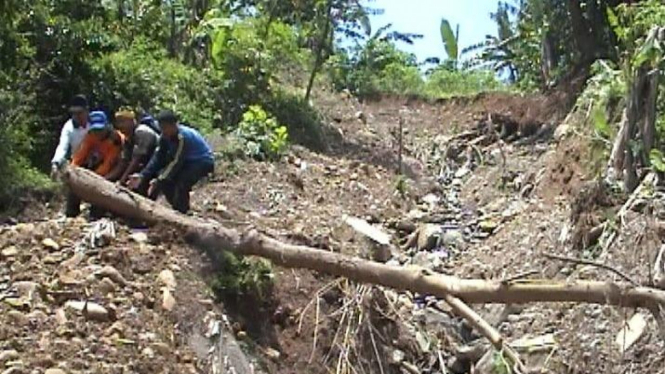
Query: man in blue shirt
(182, 158)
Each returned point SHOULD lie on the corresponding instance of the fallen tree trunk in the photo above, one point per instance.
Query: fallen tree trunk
(214, 238)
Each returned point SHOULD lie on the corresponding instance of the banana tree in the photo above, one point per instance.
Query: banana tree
(450, 40)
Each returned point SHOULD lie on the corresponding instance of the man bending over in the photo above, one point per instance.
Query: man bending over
(182, 159)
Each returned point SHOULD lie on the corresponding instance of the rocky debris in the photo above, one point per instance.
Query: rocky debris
(89, 310)
(113, 274)
(50, 244)
(168, 301)
(55, 371)
(9, 355)
(167, 278)
(9, 252)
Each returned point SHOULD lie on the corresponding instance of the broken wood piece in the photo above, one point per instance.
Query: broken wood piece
(364, 228)
(658, 278)
(631, 332)
(214, 238)
(485, 329)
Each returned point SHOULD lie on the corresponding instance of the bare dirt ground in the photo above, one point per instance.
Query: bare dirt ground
(510, 206)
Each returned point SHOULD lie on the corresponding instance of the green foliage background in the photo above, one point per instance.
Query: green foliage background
(212, 60)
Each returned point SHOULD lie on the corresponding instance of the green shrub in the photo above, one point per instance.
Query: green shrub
(401, 79)
(238, 277)
(16, 173)
(301, 119)
(251, 59)
(144, 77)
(261, 135)
(443, 83)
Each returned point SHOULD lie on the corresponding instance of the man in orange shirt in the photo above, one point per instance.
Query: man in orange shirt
(100, 151)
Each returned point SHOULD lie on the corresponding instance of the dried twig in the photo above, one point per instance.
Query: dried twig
(316, 327)
(374, 346)
(596, 264)
(487, 331)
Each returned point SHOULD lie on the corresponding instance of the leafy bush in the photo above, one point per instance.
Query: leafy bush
(397, 78)
(301, 119)
(238, 277)
(261, 135)
(144, 77)
(16, 172)
(369, 69)
(444, 82)
(250, 54)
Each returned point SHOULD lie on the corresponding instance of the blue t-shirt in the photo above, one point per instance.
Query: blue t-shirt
(188, 147)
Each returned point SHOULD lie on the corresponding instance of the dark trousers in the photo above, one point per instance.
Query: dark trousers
(177, 190)
(73, 205)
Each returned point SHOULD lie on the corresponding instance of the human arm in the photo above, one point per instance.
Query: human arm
(172, 169)
(157, 161)
(118, 171)
(133, 167)
(63, 144)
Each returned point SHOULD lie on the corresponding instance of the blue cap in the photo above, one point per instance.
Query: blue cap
(98, 121)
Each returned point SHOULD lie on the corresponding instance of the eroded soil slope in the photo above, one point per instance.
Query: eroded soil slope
(487, 178)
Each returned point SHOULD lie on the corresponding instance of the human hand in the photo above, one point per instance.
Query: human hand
(134, 181)
(152, 187)
(55, 172)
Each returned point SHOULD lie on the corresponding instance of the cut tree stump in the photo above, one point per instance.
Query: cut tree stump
(213, 238)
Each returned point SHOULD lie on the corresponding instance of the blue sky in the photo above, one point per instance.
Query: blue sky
(424, 17)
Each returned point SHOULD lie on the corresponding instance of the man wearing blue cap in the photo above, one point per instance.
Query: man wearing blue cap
(100, 151)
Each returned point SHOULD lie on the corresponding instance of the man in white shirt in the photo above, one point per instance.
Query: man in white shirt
(72, 133)
(71, 137)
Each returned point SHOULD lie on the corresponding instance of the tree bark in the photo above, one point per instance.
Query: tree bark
(582, 33)
(320, 49)
(213, 238)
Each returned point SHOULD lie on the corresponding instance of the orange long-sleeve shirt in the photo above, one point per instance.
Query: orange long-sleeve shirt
(109, 150)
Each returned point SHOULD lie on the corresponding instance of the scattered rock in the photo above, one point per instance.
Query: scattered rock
(14, 370)
(60, 316)
(106, 286)
(273, 354)
(168, 301)
(161, 348)
(561, 131)
(397, 357)
(113, 274)
(631, 332)
(9, 252)
(488, 225)
(74, 261)
(91, 311)
(431, 199)
(428, 237)
(18, 318)
(148, 352)
(55, 371)
(139, 237)
(37, 316)
(6, 356)
(167, 278)
(51, 244)
(452, 238)
(27, 290)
